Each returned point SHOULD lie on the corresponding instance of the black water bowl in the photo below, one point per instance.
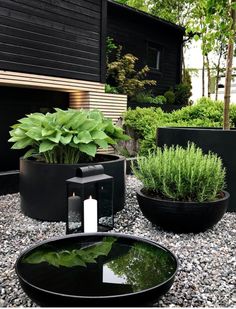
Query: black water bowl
(100, 269)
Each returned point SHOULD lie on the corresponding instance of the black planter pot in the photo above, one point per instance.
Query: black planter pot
(167, 108)
(219, 141)
(77, 286)
(43, 187)
(182, 217)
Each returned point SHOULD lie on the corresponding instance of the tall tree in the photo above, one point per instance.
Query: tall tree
(229, 65)
(176, 11)
(138, 4)
(221, 17)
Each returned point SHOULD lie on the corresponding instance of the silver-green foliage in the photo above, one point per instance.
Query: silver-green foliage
(181, 174)
(65, 136)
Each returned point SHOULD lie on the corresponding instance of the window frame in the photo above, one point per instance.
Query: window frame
(159, 49)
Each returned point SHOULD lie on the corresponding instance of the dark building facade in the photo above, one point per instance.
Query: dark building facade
(57, 38)
(154, 41)
(52, 54)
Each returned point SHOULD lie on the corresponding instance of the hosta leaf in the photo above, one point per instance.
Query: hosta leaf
(110, 141)
(17, 132)
(109, 127)
(55, 138)
(78, 120)
(101, 143)
(96, 115)
(15, 139)
(46, 132)
(66, 139)
(83, 138)
(88, 125)
(37, 117)
(89, 149)
(29, 153)
(46, 146)
(98, 135)
(22, 143)
(35, 133)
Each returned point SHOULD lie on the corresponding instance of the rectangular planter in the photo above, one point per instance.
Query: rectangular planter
(221, 142)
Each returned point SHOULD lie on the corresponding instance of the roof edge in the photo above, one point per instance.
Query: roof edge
(148, 15)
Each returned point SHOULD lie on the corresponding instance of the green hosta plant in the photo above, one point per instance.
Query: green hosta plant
(65, 136)
(181, 174)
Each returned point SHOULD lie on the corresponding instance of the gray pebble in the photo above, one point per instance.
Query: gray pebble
(207, 262)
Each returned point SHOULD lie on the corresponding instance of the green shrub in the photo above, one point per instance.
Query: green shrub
(160, 99)
(182, 94)
(170, 96)
(181, 174)
(110, 89)
(124, 75)
(65, 136)
(143, 97)
(111, 47)
(205, 113)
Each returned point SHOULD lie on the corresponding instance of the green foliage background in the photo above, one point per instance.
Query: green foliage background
(145, 121)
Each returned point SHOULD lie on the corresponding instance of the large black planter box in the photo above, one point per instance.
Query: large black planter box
(221, 142)
(9, 182)
(43, 187)
(167, 108)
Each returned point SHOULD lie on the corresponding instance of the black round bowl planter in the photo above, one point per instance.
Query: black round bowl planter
(43, 186)
(182, 217)
(76, 286)
(217, 140)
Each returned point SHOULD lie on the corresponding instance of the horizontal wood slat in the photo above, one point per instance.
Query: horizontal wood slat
(111, 105)
(8, 78)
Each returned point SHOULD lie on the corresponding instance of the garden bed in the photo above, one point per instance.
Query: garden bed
(207, 263)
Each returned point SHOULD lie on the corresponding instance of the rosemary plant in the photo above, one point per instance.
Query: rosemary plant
(181, 174)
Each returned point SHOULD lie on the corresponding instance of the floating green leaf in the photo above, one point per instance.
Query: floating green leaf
(71, 257)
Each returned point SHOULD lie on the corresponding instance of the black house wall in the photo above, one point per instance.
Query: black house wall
(15, 104)
(134, 31)
(63, 38)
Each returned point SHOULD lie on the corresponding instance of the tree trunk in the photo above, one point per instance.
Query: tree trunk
(203, 77)
(218, 72)
(183, 64)
(208, 77)
(228, 77)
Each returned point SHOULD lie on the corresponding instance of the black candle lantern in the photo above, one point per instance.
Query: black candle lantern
(89, 200)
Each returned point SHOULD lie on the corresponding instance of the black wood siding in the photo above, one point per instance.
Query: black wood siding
(53, 37)
(133, 31)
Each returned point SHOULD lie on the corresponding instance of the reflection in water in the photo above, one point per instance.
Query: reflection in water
(143, 266)
(70, 257)
(101, 267)
(108, 276)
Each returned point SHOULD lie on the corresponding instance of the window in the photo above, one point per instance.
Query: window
(153, 57)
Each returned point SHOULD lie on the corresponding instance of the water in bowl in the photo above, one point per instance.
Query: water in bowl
(99, 267)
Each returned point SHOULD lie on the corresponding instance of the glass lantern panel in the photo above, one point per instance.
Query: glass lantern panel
(105, 205)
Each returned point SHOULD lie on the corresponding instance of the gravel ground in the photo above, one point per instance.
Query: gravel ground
(207, 261)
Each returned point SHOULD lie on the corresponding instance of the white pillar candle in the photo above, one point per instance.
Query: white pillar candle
(90, 215)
